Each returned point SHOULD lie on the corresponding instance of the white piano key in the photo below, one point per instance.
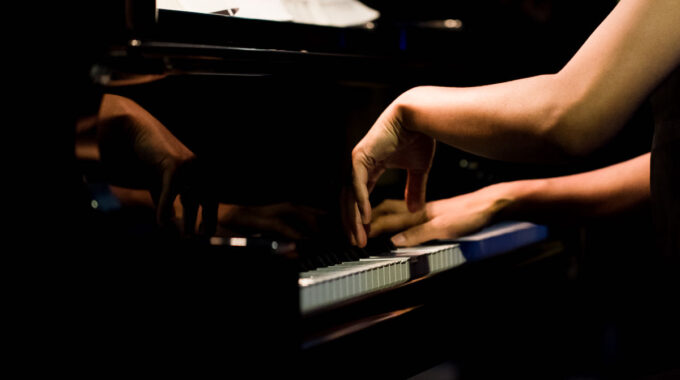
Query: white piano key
(440, 259)
(327, 285)
(373, 278)
(430, 263)
(363, 282)
(389, 270)
(325, 292)
(393, 273)
(449, 263)
(305, 297)
(351, 287)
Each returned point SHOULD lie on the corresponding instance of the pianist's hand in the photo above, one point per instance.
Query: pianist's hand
(388, 144)
(443, 219)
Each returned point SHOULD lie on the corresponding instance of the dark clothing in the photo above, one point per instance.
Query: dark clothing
(665, 167)
(652, 339)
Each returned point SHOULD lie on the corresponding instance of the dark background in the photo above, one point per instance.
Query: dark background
(286, 136)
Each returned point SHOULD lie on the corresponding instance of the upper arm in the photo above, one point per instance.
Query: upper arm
(627, 56)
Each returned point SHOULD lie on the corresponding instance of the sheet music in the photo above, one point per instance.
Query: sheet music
(169, 4)
(340, 13)
(272, 10)
(330, 12)
(199, 6)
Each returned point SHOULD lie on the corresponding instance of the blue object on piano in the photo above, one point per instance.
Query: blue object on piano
(500, 238)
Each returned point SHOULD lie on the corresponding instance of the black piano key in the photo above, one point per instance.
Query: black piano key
(318, 254)
(378, 246)
(305, 265)
(334, 257)
(356, 253)
(320, 261)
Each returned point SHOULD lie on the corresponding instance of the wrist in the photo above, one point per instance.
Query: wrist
(512, 200)
(405, 108)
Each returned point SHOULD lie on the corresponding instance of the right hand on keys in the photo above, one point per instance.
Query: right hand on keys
(388, 144)
(442, 219)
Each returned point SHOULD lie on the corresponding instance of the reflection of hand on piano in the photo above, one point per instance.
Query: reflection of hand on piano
(140, 152)
(282, 220)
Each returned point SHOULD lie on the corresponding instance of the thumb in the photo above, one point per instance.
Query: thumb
(165, 208)
(416, 235)
(416, 183)
(360, 186)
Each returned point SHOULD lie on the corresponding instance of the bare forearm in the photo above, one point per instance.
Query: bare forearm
(502, 121)
(572, 112)
(597, 193)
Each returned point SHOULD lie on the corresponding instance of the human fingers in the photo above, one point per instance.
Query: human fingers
(360, 186)
(361, 238)
(395, 222)
(389, 206)
(416, 183)
(165, 210)
(418, 234)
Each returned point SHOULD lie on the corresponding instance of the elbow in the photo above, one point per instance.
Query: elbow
(569, 142)
(567, 127)
(574, 138)
(579, 118)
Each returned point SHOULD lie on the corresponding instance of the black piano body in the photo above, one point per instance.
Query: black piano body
(276, 108)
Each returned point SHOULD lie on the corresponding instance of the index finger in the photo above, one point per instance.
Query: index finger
(360, 187)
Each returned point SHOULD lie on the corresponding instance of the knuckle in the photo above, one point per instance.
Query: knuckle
(438, 225)
(359, 157)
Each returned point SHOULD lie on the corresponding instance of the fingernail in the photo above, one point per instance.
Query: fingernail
(398, 239)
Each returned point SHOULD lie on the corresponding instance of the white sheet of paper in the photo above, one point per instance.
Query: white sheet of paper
(169, 4)
(330, 12)
(272, 10)
(340, 13)
(199, 6)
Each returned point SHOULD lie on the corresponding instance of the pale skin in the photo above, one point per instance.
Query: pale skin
(601, 192)
(547, 117)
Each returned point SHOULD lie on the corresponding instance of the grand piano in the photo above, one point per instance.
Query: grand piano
(275, 108)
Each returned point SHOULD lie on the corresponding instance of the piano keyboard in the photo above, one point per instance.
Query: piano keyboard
(332, 273)
(335, 283)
